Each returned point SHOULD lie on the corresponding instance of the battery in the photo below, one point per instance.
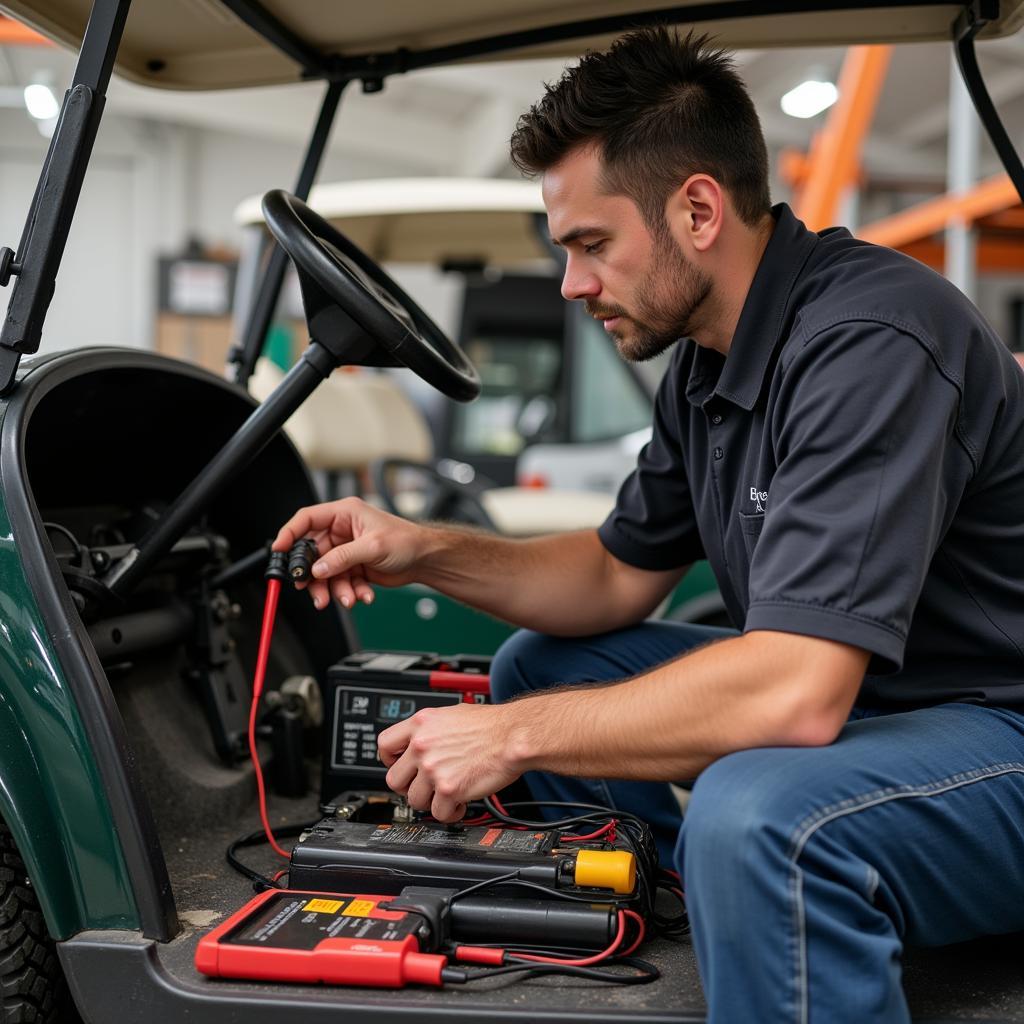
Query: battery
(320, 937)
(370, 691)
(385, 857)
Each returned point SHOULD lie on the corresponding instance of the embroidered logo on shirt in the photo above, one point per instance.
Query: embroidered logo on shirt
(759, 498)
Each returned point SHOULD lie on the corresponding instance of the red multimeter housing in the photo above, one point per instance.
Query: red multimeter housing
(316, 937)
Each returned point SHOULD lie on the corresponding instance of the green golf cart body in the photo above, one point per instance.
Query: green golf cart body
(116, 797)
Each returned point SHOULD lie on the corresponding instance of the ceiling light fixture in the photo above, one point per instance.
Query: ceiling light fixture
(40, 102)
(809, 98)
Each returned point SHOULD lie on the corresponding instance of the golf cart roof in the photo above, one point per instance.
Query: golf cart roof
(430, 220)
(211, 44)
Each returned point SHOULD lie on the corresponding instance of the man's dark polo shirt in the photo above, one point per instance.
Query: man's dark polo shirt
(853, 470)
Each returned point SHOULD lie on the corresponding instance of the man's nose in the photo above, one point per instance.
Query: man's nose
(578, 283)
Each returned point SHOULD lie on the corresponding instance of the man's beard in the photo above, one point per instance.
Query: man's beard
(666, 301)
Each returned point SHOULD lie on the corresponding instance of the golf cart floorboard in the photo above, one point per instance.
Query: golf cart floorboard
(979, 981)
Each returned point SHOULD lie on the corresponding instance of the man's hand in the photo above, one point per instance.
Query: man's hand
(441, 758)
(359, 545)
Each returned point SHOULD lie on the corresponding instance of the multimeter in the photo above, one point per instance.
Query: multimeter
(331, 938)
(371, 690)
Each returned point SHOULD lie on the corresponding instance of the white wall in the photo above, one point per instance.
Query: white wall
(150, 187)
(104, 287)
(230, 167)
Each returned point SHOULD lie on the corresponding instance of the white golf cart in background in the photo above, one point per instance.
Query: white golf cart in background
(558, 407)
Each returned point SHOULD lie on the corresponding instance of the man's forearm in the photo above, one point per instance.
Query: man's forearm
(759, 690)
(565, 585)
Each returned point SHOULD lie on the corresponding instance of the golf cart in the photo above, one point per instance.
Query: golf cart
(558, 407)
(132, 537)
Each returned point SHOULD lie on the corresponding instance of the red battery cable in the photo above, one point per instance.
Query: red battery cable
(493, 956)
(262, 657)
(608, 830)
(641, 931)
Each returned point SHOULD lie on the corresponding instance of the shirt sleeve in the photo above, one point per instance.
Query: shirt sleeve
(870, 470)
(653, 525)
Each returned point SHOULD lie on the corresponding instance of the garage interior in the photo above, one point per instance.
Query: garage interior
(882, 139)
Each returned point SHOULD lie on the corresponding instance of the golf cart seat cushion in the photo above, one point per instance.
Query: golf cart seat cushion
(528, 511)
(352, 419)
(357, 417)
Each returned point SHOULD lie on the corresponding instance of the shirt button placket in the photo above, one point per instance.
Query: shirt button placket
(717, 454)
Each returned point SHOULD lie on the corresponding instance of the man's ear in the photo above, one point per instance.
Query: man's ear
(695, 211)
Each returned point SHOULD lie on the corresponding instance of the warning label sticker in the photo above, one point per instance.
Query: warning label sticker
(505, 839)
(490, 836)
(418, 835)
(359, 908)
(325, 906)
(515, 841)
(292, 921)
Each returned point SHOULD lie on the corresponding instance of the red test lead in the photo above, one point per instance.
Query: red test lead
(277, 571)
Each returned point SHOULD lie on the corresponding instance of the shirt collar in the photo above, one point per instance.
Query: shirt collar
(740, 375)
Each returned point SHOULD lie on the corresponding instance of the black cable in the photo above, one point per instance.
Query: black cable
(571, 803)
(252, 564)
(512, 879)
(529, 969)
(257, 839)
(676, 926)
(497, 880)
(598, 814)
(70, 536)
(260, 881)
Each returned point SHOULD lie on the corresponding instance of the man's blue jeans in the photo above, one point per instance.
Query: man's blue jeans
(806, 869)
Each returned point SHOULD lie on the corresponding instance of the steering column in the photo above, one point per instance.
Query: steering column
(357, 315)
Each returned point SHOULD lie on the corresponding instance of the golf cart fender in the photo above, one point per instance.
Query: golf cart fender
(51, 796)
(68, 789)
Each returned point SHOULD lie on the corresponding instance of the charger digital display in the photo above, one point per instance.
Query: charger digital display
(395, 709)
(362, 713)
(370, 691)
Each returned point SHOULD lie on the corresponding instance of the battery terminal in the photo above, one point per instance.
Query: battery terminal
(403, 814)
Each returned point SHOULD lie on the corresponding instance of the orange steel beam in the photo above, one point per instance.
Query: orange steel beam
(991, 196)
(1004, 220)
(833, 164)
(994, 256)
(13, 33)
(792, 168)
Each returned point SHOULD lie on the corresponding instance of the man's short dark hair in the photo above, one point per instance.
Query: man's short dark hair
(660, 107)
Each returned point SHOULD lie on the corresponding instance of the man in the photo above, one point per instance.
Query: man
(842, 436)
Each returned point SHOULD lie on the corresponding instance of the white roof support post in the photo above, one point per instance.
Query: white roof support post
(961, 175)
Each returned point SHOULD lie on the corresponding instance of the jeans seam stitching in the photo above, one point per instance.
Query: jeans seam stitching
(833, 812)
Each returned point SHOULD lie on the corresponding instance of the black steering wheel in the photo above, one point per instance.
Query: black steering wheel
(369, 296)
(443, 497)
